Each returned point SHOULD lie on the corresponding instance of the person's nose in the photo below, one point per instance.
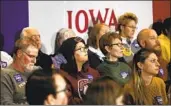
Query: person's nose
(157, 63)
(34, 60)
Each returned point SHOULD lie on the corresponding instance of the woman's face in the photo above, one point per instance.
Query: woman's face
(80, 54)
(129, 29)
(116, 48)
(150, 65)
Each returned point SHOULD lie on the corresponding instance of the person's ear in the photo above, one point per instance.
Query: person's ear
(50, 100)
(122, 27)
(107, 48)
(140, 65)
(142, 43)
(19, 53)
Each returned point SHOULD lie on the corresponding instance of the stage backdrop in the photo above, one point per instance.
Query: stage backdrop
(49, 16)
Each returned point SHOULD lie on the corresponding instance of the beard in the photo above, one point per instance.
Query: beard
(30, 68)
(157, 50)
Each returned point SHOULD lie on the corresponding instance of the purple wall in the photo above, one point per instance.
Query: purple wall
(14, 16)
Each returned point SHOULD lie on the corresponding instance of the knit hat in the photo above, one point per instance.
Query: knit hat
(67, 49)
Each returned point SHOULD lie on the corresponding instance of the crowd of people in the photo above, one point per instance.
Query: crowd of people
(110, 68)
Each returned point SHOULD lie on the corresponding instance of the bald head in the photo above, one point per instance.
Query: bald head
(144, 34)
(147, 38)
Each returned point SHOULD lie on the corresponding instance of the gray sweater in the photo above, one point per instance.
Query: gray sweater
(12, 87)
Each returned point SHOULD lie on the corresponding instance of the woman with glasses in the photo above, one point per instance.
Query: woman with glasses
(127, 26)
(145, 88)
(76, 70)
(112, 47)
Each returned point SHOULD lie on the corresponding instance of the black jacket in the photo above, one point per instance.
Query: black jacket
(44, 61)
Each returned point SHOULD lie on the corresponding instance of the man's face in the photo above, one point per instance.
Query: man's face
(151, 41)
(28, 58)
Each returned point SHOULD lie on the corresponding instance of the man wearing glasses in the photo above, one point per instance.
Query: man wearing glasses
(43, 60)
(13, 78)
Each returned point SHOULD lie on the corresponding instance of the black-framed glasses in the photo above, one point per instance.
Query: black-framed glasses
(82, 49)
(118, 44)
(31, 56)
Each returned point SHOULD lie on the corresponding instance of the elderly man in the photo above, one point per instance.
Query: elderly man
(13, 78)
(43, 59)
(147, 38)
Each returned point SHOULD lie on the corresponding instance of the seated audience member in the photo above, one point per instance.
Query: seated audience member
(13, 78)
(112, 47)
(145, 88)
(104, 91)
(43, 60)
(95, 56)
(147, 38)
(76, 71)
(46, 88)
(61, 36)
(127, 25)
(5, 58)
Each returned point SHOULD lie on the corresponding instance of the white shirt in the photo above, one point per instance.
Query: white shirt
(6, 59)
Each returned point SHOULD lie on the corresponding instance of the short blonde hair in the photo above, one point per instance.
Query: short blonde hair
(125, 18)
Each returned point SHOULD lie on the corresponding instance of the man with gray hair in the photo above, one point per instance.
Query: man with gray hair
(43, 60)
(14, 77)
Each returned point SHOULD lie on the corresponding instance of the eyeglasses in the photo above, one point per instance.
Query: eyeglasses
(118, 44)
(31, 56)
(133, 27)
(82, 49)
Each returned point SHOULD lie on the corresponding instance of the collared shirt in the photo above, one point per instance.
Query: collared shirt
(98, 52)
